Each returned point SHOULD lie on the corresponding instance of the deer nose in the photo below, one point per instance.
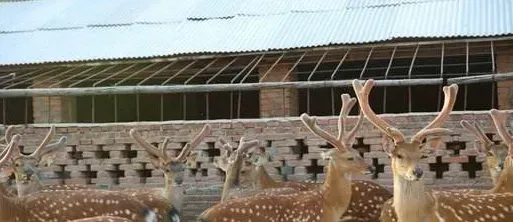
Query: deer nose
(418, 172)
(501, 165)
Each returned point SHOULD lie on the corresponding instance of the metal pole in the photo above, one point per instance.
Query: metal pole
(492, 52)
(409, 76)
(366, 62)
(440, 88)
(467, 70)
(386, 77)
(310, 77)
(333, 77)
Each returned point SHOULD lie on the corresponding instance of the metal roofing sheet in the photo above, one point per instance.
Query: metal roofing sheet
(81, 30)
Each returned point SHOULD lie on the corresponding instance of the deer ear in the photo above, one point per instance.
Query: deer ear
(388, 145)
(5, 173)
(481, 147)
(433, 143)
(326, 155)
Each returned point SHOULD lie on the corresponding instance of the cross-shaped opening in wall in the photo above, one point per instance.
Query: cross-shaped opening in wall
(439, 167)
(75, 154)
(300, 149)
(115, 173)
(455, 146)
(128, 152)
(143, 173)
(378, 168)
(472, 166)
(490, 136)
(211, 151)
(361, 147)
(89, 174)
(101, 154)
(62, 174)
(314, 169)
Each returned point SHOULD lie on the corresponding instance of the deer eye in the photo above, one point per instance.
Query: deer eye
(350, 158)
(423, 157)
(399, 156)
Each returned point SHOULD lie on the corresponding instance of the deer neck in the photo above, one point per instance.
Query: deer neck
(232, 180)
(336, 189)
(262, 180)
(505, 181)
(9, 206)
(411, 201)
(168, 185)
(33, 186)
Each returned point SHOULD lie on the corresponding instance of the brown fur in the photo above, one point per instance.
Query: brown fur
(103, 219)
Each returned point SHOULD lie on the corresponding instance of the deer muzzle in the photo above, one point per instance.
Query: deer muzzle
(417, 173)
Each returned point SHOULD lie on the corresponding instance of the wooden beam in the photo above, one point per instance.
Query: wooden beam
(481, 78)
(117, 90)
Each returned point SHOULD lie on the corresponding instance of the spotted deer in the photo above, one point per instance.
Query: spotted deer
(253, 171)
(26, 167)
(412, 201)
(160, 199)
(495, 158)
(103, 219)
(67, 205)
(325, 203)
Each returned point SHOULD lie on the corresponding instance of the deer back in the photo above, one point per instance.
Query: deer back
(103, 219)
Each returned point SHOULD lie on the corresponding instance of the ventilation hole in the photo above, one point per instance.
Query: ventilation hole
(455, 146)
(439, 167)
(472, 166)
(300, 148)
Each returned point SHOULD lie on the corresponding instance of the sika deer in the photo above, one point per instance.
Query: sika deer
(160, 199)
(64, 205)
(412, 201)
(363, 192)
(327, 203)
(26, 167)
(495, 157)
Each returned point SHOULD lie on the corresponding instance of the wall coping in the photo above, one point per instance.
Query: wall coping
(279, 119)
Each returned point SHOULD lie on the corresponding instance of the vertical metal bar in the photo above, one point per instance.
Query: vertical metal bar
(161, 107)
(333, 77)
(467, 70)
(409, 76)
(366, 62)
(207, 106)
(271, 67)
(4, 110)
(184, 106)
(26, 110)
(115, 108)
(283, 103)
(386, 77)
(492, 52)
(440, 88)
(231, 104)
(137, 107)
(239, 102)
(70, 109)
(49, 109)
(93, 115)
(310, 77)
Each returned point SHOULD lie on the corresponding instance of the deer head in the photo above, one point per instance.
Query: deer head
(173, 167)
(405, 155)
(233, 163)
(26, 167)
(495, 153)
(343, 155)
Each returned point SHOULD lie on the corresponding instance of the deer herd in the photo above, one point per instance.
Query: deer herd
(250, 194)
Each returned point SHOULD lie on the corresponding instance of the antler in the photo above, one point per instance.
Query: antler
(499, 119)
(45, 141)
(160, 151)
(7, 136)
(344, 139)
(362, 92)
(449, 100)
(477, 131)
(6, 155)
(195, 142)
(241, 149)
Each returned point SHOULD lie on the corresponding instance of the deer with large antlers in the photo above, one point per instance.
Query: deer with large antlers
(68, 205)
(161, 199)
(326, 203)
(252, 172)
(495, 158)
(26, 167)
(412, 201)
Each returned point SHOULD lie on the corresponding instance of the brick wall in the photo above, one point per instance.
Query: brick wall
(57, 109)
(104, 154)
(278, 102)
(505, 88)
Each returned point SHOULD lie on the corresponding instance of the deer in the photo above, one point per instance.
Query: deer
(412, 201)
(68, 205)
(160, 199)
(103, 219)
(26, 167)
(495, 158)
(252, 171)
(325, 203)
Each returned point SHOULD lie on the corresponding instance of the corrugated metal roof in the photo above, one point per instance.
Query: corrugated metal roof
(77, 30)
